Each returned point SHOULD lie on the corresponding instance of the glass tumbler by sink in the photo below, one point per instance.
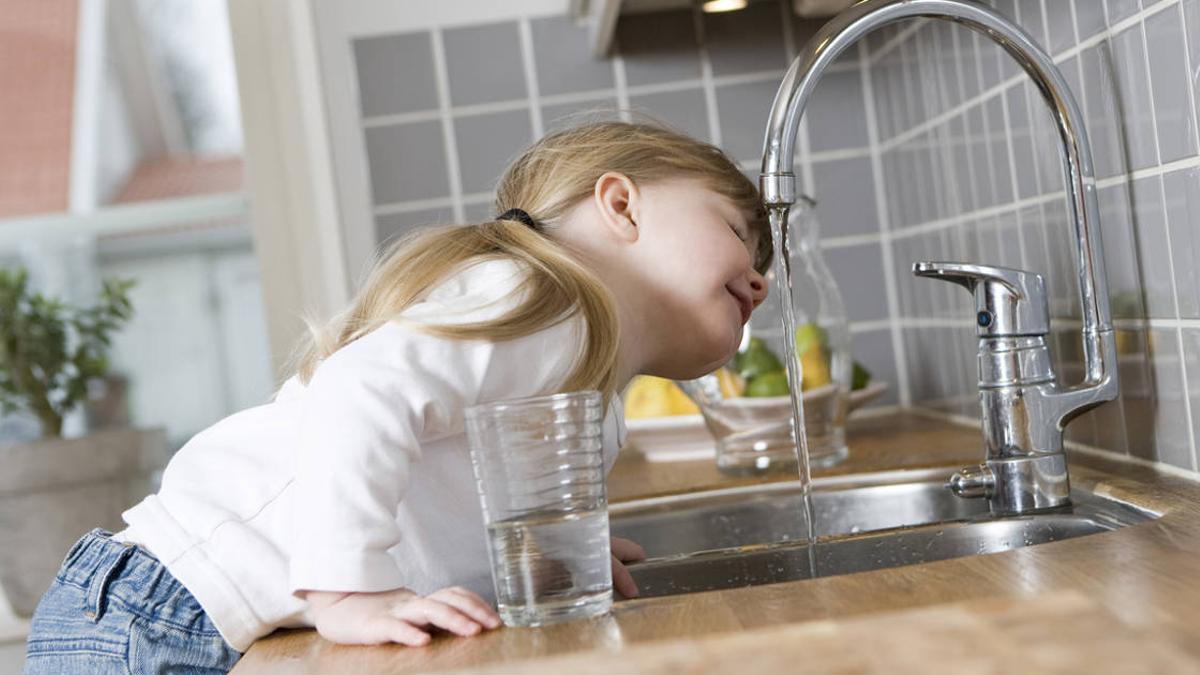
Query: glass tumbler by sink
(714, 540)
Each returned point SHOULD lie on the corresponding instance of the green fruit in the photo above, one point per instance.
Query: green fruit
(756, 360)
(768, 384)
(861, 378)
(808, 336)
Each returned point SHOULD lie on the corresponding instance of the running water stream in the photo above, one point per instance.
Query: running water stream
(783, 271)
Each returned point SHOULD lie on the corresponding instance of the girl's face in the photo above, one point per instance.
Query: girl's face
(696, 256)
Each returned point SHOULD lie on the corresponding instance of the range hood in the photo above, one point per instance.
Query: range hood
(603, 15)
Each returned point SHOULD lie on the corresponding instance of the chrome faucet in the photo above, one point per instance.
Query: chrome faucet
(1024, 410)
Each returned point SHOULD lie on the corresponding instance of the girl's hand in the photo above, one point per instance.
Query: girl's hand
(398, 616)
(623, 551)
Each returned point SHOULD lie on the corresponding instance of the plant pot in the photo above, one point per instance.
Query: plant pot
(54, 491)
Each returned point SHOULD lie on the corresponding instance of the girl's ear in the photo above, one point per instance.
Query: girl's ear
(616, 199)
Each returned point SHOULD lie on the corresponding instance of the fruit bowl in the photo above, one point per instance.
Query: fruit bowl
(782, 405)
(685, 437)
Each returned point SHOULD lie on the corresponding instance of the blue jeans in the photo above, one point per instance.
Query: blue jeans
(114, 608)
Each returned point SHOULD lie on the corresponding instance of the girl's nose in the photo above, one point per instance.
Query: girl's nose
(758, 288)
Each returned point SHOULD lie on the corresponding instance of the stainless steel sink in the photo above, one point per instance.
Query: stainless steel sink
(755, 535)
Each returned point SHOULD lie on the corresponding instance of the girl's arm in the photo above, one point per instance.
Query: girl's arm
(398, 615)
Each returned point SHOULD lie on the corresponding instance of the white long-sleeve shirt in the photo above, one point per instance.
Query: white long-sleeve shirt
(361, 480)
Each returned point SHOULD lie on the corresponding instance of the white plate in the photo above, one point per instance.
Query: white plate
(685, 437)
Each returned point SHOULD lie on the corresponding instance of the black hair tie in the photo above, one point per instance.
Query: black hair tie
(518, 215)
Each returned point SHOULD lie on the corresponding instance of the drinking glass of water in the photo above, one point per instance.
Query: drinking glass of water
(540, 473)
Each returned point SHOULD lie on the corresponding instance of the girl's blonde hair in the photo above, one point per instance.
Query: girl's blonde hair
(546, 181)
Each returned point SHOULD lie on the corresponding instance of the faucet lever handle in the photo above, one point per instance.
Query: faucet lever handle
(1008, 302)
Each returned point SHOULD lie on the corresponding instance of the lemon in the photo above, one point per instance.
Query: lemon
(649, 396)
(732, 385)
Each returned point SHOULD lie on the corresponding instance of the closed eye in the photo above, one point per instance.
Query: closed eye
(738, 232)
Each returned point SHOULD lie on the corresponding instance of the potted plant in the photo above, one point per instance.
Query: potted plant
(55, 489)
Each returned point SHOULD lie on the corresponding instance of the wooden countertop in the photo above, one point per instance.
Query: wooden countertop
(1142, 577)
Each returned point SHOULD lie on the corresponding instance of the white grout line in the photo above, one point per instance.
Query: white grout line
(868, 326)
(405, 118)
(619, 79)
(881, 212)
(443, 92)
(666, 87)
(852, 240)
(706, 81)
(531, 80)
(860, 152)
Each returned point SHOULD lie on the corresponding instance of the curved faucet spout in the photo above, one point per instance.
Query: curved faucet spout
(778, 182)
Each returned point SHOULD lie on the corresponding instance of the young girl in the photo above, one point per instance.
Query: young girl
(348, 503)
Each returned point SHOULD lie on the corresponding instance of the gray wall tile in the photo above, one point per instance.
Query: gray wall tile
(659, 47)
(1100, 105)
(1129, 55)
(1033, 19)
(873, 349)
(1060, 24)
(563, 58)
(1169, 78)
(961, 164)
(1153, 253)
(392, 225)
(479, 212)
(1063, 282)
(1089, 18)
(743, 110)
(1002, 172)
(395, 74)
(836, 112)
(1191, 356)
(978, 131)
(859, 274)
(946, 64)
(565, 115)
(484, 63)
(486, 145)
(1191, 27)
(1182, 191)
(1120, 253)
(993, 63)
(1119, 10)
(683, 110)
(845, 194)
(1033, 233)
(407, 161)
(1172, 442)
(746, 41)
(968, 66)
